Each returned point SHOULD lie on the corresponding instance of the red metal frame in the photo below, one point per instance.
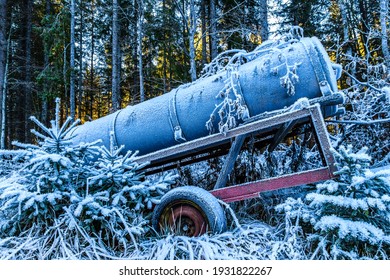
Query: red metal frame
(253, 189)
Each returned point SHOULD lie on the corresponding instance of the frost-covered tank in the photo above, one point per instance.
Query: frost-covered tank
(234, 88)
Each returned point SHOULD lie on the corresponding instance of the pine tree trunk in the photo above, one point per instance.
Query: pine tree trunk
(4, 97)
(3, 43)
(72, 62)
(65, 79)
(81, 80)
(27, 73)
(213, 30)
(90, 99)
(4, 52)
(344, 19)
(46, 54)
(3, 69)
(263, 16)
(364, 25)
(384, 6)
(204, 40)
(140, 24)
(164, 50)
(115, 57)
(191, 40)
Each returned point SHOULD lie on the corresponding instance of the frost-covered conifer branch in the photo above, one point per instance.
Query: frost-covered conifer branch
(39, 124)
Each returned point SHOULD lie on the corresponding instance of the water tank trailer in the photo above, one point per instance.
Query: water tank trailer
(251, 93)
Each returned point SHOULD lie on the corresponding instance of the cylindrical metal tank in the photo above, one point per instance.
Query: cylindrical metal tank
(276, 77)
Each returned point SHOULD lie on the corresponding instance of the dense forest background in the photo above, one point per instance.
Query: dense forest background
(99, 56)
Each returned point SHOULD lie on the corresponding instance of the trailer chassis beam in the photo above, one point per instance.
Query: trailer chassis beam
(253, 189)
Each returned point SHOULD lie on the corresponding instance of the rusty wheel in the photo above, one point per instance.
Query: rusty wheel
(184, 219)
(189, 211)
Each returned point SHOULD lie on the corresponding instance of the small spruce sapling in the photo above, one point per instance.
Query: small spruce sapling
(44, 185)
(116, 196)
(83, 187)
(348, 217)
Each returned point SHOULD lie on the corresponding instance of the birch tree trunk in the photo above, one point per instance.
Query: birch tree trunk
(72, 55)
(384, 11)
(115, 58)
(191, 40)
(140, 24)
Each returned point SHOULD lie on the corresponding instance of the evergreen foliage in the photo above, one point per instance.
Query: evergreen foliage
(349, 217)
(83, 187)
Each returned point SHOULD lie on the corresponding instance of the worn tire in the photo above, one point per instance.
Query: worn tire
(189, 211)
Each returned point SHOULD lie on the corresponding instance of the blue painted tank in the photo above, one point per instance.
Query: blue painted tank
(273, 77)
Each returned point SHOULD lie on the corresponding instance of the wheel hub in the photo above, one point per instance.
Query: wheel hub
(187, 220)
